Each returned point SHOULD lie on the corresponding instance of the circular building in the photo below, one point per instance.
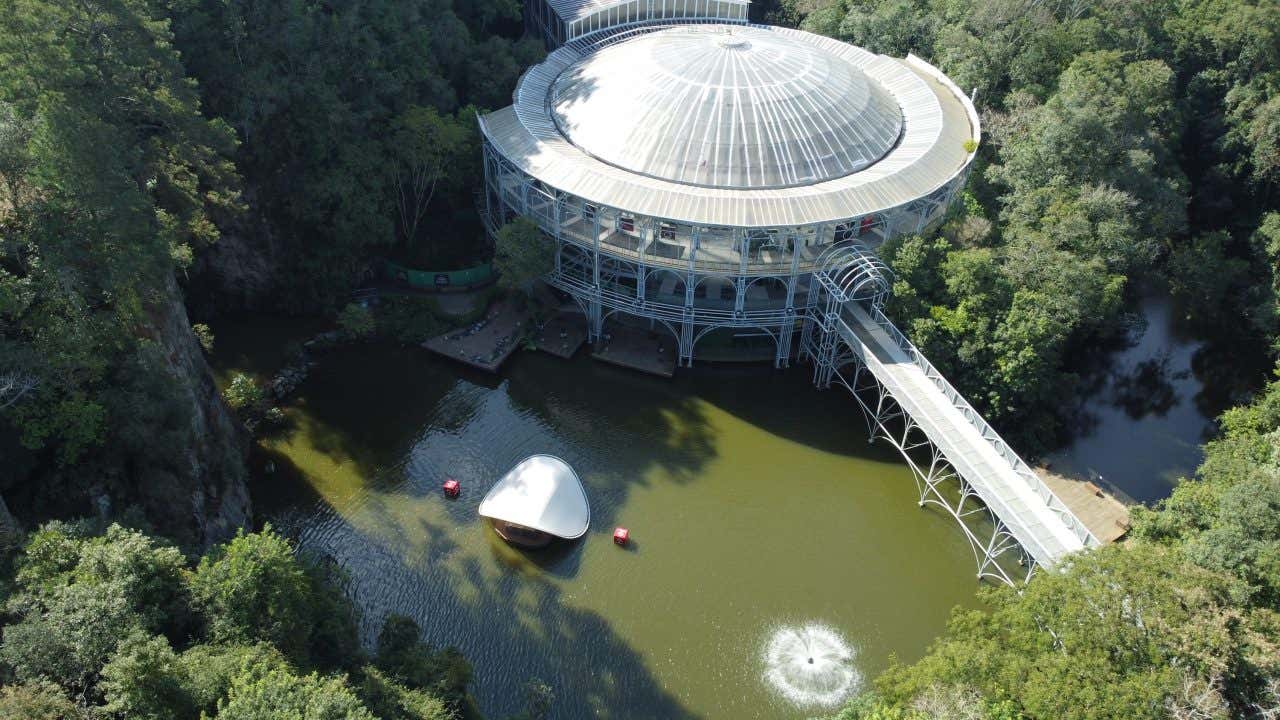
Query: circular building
(695, 177)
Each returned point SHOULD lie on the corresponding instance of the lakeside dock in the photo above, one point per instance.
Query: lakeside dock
(562, 335)
(1100, 511)
(486, 344)
(637, 349)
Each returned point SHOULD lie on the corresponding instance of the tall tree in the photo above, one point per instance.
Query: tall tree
(522, 254)
(430, 146)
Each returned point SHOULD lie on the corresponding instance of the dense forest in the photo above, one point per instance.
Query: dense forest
(109, 623)
(166, 161)
(1125, 145)
(163, 162)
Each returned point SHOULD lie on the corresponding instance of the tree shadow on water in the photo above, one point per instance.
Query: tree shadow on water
(595, 672)
(510, 621)
(409, 550)
(1230, 370)
(368, 405)
(1147, 388)
(390, 440)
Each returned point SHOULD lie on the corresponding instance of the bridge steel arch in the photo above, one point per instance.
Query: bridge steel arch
(854, 285)
(996, 552)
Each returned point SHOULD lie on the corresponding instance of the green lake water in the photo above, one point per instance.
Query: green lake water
(754, 502)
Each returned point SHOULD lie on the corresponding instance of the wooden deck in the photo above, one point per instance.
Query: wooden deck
(487, 344)
(562, 335)
(629, 347)
(1105, 516)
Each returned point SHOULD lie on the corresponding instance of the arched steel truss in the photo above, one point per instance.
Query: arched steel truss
(996, 552)
(853, 277)
(607, 259)
(849, 271)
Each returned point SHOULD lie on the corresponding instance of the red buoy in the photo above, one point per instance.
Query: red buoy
(621, 536)
(452, 488)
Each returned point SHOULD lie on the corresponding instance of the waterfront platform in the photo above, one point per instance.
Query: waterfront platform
(562, 335)
(1100, 511)
(638, 349)
(485, 344)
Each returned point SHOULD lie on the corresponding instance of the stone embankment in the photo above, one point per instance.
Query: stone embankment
(288, 378)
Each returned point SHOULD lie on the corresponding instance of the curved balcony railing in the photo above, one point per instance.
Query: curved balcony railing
(675, 255)
(615, 299)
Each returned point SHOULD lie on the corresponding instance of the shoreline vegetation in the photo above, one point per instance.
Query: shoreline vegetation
(164, 163)
(1182, 620)
(110, 622)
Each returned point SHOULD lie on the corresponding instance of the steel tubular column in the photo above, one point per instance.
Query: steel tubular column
(995, 550)
(847, 278)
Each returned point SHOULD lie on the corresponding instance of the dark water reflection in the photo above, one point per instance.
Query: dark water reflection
(753, 500)
(1154, 402)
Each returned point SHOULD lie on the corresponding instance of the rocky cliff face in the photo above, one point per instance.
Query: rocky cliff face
(237, 273)
(173, 455)
(201, 496)
(233, 275)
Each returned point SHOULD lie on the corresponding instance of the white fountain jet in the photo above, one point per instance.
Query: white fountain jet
(810, 665)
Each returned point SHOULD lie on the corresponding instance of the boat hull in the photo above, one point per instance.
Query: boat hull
(521, 536)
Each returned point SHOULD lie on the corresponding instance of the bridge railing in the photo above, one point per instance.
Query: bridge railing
(988, 433)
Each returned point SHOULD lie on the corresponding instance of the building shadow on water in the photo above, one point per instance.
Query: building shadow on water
(785, 403)
(560, 559)
(608, 406)
(372, 407)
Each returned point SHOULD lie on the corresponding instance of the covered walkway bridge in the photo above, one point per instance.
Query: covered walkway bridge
(1013, 521)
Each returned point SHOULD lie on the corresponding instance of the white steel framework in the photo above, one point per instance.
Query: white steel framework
(687, 279)
(672, 253)
(559, 21)
(1014, 523)
(708, 222)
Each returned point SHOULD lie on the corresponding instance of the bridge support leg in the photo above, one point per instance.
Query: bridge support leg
(686, 340)
(595, 320)
(806, 339)
(786, 331)
(997, 554)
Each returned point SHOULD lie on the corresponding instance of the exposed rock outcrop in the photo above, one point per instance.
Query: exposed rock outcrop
(209, 496)
(238, 272)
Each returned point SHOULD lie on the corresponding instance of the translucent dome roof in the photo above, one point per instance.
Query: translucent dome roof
(725, 106)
